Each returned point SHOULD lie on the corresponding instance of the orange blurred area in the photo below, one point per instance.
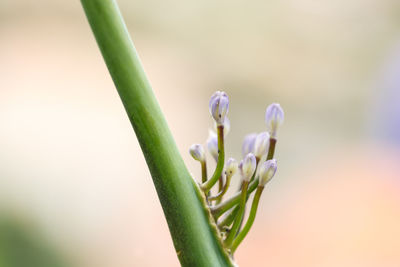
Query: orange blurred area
(74, 186)
(345, 212)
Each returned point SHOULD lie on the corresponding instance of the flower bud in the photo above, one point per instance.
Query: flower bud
(247, 167)
(273, 118)
(267, 171)
(261, 144)
(212, 144)
(248, 144)
(219, 105)
(197, 152)
(227, 126)
(231, 167)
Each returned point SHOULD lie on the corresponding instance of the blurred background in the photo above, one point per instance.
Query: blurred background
(74, 186)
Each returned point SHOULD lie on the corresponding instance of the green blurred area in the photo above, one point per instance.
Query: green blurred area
(21, 246)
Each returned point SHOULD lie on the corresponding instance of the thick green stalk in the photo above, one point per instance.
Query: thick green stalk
(194, 237)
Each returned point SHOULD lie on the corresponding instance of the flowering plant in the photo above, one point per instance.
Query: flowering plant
(258, 151)
(190, 210)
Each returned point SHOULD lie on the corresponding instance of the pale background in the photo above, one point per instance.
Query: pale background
(71, 170)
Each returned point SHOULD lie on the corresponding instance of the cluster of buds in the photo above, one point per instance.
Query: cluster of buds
(256, 169)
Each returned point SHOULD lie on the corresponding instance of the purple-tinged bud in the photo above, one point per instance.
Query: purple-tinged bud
(231, 167)
(248, 144)
(261, 144)
(212, 144)
(197, 152)
(219, 106)
(247, 167)
(267, 171)
(227, 126)
(273, 118)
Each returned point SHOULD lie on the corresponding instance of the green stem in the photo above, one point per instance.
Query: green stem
(220, 209)
(250, 220)
(271, 149)
(195, 239)
(220, 188)
(220, 163)
(204, 177)
(203, 171)
(228, 219)
(239, 216)
(224, 190)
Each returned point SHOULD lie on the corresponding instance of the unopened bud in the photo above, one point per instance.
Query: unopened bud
(274, 118)
(247, 166)
(248, 144)
(231, 167)
(219, 106)
(197, 152)
(267, 171)
(261, 144)
(212, 144)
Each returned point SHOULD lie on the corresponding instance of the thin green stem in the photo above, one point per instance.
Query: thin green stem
(220, 188)
(194, 237)
(220, 163)
(271, 149)
(229, 217)
(220, 209)
(252, 179)
(239, 216)
(204, 177)
(224, 190)
(250, 220)
(203, 171)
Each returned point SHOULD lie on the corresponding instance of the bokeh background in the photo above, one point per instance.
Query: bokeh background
(74, 187)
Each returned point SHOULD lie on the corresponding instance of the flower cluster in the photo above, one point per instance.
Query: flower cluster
(256, 169)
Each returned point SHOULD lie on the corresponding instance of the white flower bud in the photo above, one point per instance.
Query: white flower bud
(231, 167)
(247, 166)
(267, 171)
(274, 118)
(197, 152)
(248, 144)
(261, 144)
(219, 106)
